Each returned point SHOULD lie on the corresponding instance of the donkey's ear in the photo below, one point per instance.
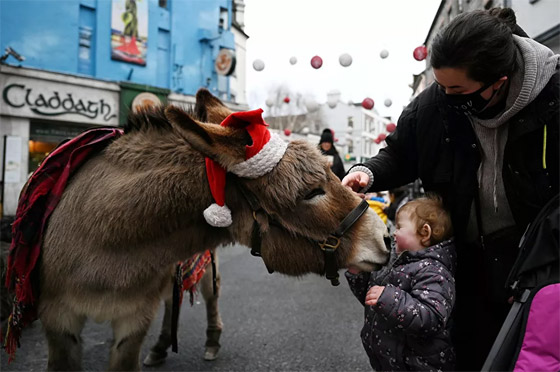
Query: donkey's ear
(209, 108)
(222, 144)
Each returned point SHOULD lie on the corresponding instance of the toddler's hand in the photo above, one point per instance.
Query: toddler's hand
(373, 295)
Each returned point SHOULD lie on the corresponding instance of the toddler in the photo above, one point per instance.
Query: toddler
(408, 303)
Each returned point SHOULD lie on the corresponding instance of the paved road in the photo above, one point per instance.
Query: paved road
(271, 323)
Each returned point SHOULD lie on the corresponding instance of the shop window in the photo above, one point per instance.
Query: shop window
(44, 137)
(38, 151)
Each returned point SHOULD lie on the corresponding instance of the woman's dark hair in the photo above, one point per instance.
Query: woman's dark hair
(481, 42)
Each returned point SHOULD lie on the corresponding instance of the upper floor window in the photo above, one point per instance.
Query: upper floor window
(224, 22)
(163, 4)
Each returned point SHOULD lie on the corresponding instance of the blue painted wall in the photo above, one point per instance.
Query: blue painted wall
(74, 36)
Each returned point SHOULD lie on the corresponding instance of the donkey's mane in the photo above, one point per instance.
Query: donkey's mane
(152, 117)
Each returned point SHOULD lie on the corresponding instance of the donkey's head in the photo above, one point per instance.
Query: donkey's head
(298, 206)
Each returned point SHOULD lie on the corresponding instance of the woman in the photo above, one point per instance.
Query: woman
(326, 145)
(485, 137)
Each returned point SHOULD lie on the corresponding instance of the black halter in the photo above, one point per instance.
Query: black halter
(328, 246)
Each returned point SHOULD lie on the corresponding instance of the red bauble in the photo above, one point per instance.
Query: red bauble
(287, 132)
(391, 127)
(287, 99)
(316, 62)
(367, 103)
(377, 141)
(420, 53)
(381, 137)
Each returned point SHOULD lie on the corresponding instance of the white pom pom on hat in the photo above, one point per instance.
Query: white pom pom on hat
(217, 216)
(260, 158)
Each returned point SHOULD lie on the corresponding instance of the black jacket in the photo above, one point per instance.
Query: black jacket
(440, 147)
(337, 167)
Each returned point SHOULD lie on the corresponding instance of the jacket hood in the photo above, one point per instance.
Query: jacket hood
(537, 63)
(443, 252)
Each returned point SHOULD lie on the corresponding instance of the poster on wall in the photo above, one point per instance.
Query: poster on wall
(129, 31)
(12, 162)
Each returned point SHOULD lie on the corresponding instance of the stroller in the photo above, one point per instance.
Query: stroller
(529, 339)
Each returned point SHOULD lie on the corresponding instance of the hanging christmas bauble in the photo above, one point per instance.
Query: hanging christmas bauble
(377, 140)
(388, 102)
(269, 102)
(381, 137)
(391, 127)
(316, 62)
(367, 103)
(305, 130)
(420, 53)
(287, 99)
(258, 65)
(293, 60)
(345, 60)
(311, 105)
(332, 104)
(287, 132)
(384, 54)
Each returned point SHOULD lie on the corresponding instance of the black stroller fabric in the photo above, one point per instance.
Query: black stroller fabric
(536, 270)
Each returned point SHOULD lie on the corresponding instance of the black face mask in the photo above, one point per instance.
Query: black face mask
(471, 103)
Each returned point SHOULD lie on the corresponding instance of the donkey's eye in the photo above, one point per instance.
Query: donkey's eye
(313, 193)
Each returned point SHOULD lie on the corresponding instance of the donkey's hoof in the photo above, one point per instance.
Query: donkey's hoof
(211, 353)
(154, 359)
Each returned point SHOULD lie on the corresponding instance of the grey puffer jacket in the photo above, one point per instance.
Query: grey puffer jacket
(408, 329)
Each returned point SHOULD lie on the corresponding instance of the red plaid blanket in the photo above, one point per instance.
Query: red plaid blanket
(192, 271)
(37, 202)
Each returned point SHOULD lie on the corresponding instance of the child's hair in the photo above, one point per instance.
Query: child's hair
(429, 210)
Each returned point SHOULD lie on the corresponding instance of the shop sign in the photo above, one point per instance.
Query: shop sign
(35, 98)
(225, 62)
(145, 99)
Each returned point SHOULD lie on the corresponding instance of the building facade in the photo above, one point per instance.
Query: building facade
(72, 64)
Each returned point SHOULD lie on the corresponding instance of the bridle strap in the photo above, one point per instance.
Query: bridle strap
(351, 218)
(331, 243)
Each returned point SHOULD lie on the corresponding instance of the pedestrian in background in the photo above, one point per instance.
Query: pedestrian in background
(326, 145)
(409, 302)
(485, 137)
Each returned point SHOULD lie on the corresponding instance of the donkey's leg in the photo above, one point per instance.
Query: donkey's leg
(158, 352)
(129, 333)
(215, 325)
(63, 330)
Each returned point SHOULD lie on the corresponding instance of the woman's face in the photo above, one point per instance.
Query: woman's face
(455, 81)
(326, 146)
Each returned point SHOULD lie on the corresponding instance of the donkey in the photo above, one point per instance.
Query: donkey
(135, 208)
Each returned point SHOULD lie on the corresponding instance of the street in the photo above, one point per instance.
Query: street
(271, 323)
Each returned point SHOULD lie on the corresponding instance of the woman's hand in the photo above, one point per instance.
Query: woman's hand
(355, 181)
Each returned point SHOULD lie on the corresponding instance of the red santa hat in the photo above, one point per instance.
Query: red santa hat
(260, 158)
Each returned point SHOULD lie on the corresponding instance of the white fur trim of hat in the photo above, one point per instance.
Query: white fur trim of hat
(264, 161)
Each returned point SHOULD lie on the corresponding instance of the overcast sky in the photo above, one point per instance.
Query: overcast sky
(280, 29)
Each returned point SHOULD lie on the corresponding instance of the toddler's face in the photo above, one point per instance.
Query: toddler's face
(406, 235)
